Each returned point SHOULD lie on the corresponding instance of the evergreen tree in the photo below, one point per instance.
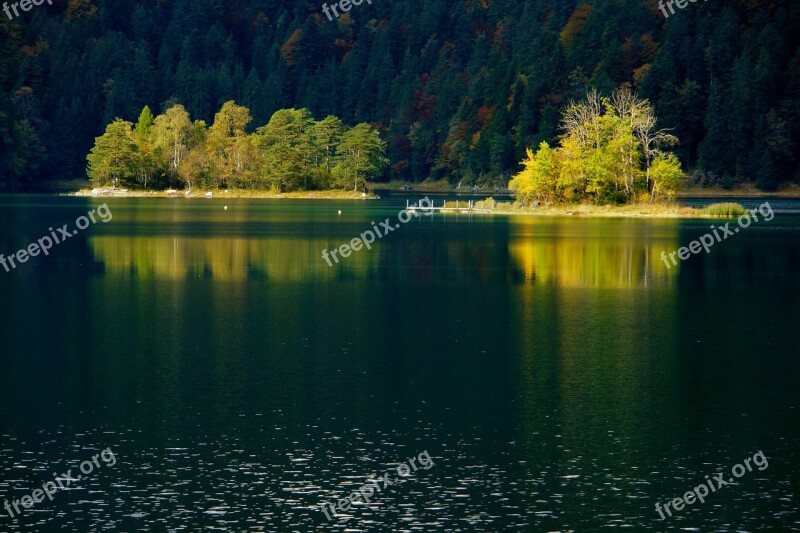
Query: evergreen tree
(113, 158)
(362, 156)
(288, 149)
(327, 136)
(147, 162)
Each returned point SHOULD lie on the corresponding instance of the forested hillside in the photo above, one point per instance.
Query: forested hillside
(458, 89)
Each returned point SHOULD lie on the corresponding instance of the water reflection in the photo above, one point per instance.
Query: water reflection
(585, 253)
(618, 253)
(233, 259)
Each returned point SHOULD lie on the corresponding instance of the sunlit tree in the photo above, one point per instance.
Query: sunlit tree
(147, 159)
(361, 156)
(171, 133)
(666, 176)
(287, 148)
(113, 157)
(539, 180)
(237, 160)
(600, 153)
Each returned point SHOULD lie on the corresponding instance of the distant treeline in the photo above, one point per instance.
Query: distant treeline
(292, 152)
(459, 89)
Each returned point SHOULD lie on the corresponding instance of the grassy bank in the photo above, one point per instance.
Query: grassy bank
(659, 210)
(427, 185)
(487, 206)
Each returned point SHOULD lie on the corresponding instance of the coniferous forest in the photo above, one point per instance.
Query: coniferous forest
(456, 90)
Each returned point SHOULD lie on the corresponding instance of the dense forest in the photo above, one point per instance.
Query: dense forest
(458, 90)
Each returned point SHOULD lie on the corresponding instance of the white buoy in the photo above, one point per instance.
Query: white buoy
(340, 211)
(226, 208)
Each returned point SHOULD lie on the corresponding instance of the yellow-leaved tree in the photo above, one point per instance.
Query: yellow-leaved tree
(610, 152)
(539, 180)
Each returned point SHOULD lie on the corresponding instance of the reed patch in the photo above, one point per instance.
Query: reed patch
(720, 233)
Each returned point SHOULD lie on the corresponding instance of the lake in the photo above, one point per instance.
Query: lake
(556, 372)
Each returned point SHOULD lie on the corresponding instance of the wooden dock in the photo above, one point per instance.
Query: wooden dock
(467, 207)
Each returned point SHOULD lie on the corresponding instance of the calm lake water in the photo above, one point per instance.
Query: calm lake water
(558, 374)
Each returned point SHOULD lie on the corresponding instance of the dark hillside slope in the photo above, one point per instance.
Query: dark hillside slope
(459, 88)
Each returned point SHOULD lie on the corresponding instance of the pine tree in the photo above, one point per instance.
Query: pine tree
(287, 147)
(147, 160)
(113, 158)
(362, 156)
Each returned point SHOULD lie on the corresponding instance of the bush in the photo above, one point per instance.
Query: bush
(727, 182)
(725, 209)
(487, 203)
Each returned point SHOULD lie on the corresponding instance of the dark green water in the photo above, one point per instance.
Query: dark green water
(558, 374)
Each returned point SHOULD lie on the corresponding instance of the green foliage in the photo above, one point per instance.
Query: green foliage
(112, 161)
(666, 177)
(30, 151)
(327, 135)
(540, 179)
(291, 152)
(144, 126)
(725, 209)
(171, 134)
(288, 150)
(361, 156)
(147, 161)
(233, 155)
(600, 157)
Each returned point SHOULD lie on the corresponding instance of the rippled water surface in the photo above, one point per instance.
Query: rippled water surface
(560, 376)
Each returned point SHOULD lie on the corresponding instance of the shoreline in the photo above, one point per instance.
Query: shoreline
(653, 211)
(503, 208)
(64, 188)
(666, 211)
(739, 192)
(302, 195)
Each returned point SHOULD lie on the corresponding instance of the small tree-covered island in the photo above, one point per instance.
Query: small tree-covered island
(291, 152)
(610, 152)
